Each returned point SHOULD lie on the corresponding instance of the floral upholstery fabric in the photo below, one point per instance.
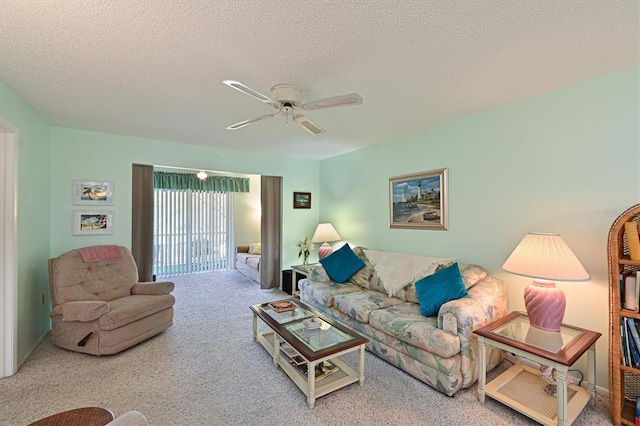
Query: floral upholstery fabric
(405, 323)
(323, 293)
(441, 351)
(359, 304)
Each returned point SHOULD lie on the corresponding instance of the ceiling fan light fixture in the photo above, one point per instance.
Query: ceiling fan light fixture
(286, 99)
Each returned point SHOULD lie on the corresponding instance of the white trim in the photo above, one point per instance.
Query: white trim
(8, 250)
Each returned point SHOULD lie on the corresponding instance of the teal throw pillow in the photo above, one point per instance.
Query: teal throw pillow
(342, 264)
(435, 290)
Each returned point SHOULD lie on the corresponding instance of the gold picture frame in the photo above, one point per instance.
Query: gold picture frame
(419, 200)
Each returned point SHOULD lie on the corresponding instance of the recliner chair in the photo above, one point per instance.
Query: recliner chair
(98, 305)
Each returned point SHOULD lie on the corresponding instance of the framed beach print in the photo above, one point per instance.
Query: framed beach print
(418, 201)
(92, 193)
(301, 200)
(92, 223)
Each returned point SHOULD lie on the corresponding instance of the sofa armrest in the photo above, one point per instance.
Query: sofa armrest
(86, 310)
(152, 288)
(487, 301)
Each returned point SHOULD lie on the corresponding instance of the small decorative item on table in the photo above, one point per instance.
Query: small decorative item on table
(282, 306)
(311, 323)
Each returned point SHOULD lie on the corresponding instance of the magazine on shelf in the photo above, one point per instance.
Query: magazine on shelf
(323, 369)
(294, 357)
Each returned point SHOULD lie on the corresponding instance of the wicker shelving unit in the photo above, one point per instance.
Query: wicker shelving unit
(624, 382)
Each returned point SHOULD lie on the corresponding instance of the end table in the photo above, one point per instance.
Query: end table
(521, 387)
(299, 270)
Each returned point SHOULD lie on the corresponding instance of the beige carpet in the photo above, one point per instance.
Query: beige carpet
(207, 370)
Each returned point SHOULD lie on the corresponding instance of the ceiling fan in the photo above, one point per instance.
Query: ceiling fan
(287, 99)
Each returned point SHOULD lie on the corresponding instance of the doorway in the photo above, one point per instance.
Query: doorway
(8, 249)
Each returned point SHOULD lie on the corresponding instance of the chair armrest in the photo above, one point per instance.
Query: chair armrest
(152, 288)
(487, 301)
(85, 310)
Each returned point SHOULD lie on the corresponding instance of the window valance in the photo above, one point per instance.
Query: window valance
(168, 180)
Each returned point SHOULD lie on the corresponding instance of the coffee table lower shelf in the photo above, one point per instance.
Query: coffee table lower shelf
(521, 388)
(344, 376)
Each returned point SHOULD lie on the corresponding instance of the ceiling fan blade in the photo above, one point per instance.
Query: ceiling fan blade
(335, 101)
(308, 125)
(249, 91)
(250, 121)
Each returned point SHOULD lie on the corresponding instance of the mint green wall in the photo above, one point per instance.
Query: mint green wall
(79, 154)
(247, 213)
(33, 217)
(564, 162)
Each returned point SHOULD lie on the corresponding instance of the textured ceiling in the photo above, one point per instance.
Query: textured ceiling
(154, 69)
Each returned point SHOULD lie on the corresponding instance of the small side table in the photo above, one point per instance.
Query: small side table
(520, 387)
(299, 270)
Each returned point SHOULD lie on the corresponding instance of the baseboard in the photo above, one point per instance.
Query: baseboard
(35, 345)
(571, 379)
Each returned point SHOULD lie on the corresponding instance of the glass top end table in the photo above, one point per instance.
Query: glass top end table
(521, 387)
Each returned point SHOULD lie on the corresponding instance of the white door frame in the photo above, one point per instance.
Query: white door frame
(8, 249)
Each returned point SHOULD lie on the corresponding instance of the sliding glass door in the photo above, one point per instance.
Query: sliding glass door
(192, 231)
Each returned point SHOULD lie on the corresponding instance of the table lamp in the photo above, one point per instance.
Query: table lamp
(545, 258)
(325, 232)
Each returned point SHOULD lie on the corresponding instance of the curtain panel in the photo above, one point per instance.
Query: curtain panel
(168, 180)
(142, 220)
(270, 231)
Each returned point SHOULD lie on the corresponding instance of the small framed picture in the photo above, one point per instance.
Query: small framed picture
(419, 200)
(95, 193)
(301, 200)
(92, 223)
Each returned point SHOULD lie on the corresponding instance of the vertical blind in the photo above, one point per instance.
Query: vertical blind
(192, 231)
(193, 222)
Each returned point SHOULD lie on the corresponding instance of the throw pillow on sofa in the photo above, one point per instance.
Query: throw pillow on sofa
(435, 290)
(342, 264)
(255, 248)
(317, 273)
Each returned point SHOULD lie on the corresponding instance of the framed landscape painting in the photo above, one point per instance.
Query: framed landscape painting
(301, 200)
(418, 201)
(92, 223)
(92, 193)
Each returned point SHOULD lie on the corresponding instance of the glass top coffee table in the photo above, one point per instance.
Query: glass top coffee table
(306, 345)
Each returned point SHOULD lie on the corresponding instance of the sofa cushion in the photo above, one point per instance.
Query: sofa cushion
(342, 264)
(317, 273)
(254, 262)
(359, 305)
(406, 323)
(323, 294)
(435, 290)
(367, 276)
(472, 274)
(255, 248)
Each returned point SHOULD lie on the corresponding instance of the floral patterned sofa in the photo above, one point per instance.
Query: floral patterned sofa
(440, 350)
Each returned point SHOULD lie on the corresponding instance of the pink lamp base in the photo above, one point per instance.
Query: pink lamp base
(324, 250)
(545, 305)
